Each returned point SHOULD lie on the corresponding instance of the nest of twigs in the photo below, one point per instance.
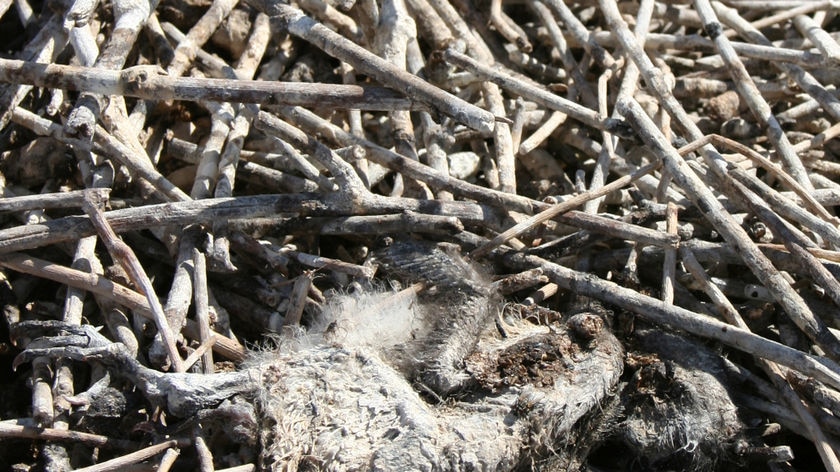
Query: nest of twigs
(534, 235)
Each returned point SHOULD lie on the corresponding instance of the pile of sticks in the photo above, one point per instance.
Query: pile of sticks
(672, 160)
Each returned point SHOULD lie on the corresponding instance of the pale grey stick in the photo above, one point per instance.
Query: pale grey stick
(505, 159)
(148, 83)
(669, 264)
(570, 64)
(560, 208)
(826, 44)
(805, 80)
(748, 91)
(286, 159)
(581, 33)
(697, 43)
(507, 28)
(105, 288)
(198, 35)
(731, 231)
(124, 255)
(202, 315)
(328, 14)
(225, 209)
(343, 173)
(629, 84)
(43, 48)
(72, 199)
(108, 145)
(542, 133)
(696, 190)
(315, 124)
(377, 68)
(519, 87)
(395, 31)
(81, 122)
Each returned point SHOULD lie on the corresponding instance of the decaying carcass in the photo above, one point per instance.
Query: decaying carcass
(439, 376)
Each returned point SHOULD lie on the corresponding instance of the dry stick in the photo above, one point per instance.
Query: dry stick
(336, 265)
(343, 173)
(43, 48)
(44, 201)
(239, 468)
(212, 210)
(387, 158)
(317, 125)
(297, 299)
(698, 43)
(669, 264)
(714, 212)
(806, 196)
(199, 352)
(123, 254)
(393, 34)
(106, 144)
(759, 204)
(826, 44)
(217, 67)
(225, 173)
(607, 158)
(700, 195)
(749, 92)
(543, 132)
(570, 64)
(507, 28)
(429, 23)
(108, 290)
(4, 6)
(202, 316)
(135, 457)
(81, 122)
(785, 13)
(326, 13)
(198, 35)
(147, 83)
(522, 88)
(787, 208)
(503, 149)
(367, 63)
(558, 209)
(518, 118)
(830, 256)
(42, 399)
(582, 34)
(168, 459)
(805, 80)
(286, 158)
(818, 140)
(202, 451)
(181, 290)
(76, 20)
(350, 225)
(730, 313)
(248, 62)
(28, 430)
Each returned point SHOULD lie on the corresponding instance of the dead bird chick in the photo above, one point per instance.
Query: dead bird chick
(458, 302)
(339, 397)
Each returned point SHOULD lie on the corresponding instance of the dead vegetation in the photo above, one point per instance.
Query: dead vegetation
(419, 235)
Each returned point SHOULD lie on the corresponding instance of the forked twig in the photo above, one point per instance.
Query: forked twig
(124, 255)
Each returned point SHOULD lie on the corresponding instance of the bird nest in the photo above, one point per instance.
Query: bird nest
(419, 235)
